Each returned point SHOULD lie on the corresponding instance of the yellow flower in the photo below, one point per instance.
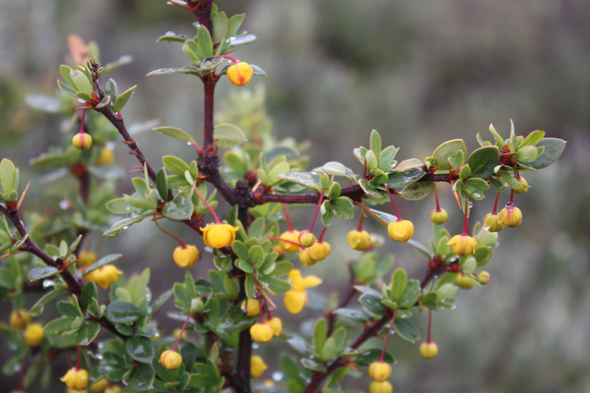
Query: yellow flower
(86, 258)
(511, 216)
(261, 332)
(252, 307)
(439, 217)
(524, 188)
(463, 245)
(240, 73)
(428, 350)
(400, 231)
(279, 250)
(306, 238)
(104, 276)
(219, 235)
(185, 257)
(380, 371)
(292, 236)
(276, 324)
(82, 141)
(483, 277)
(296, 298)
(34, 334)
(493, 221)
(170, 360)
(99, 385)
(463, 282)
(305, 258)
(380, 387)
(257, 366)
(106, 157)
(114, 389)
(319, 251)
(359, 240)
(76, 379)
(19, 319)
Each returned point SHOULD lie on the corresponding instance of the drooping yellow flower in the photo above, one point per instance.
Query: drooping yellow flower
(305, 258)
(525, 186)
(319, 251)
(511, 216)
(493, 221)
(82, 141)
(439, 217)
(483, 277)
(359, 240)
(296, 298)
(463, 282)
(86, 258)
(380, 387)
(219, 235)
(463, 245)
(76, 379)
(240, 73)
(306, 238)
(19, 319)
(99, 385)
(400, 231)
(291, 236)
(428, 350)
(106, 157)
(186, 257)
(34, 334)
(261, 332)
(380, 371)
(170, 360)
(257, 366)
(104, 276)
(252, 307)
(276, 324)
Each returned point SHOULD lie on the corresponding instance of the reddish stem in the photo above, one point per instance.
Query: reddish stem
(182, 332)
(321, 239)
(217, 221)
(287, 217)
(285, 240)
(268, 314)
(261, 309)
(82, 121)
(387, 338)
(399, 218)
(77, 358)
(317, 210)
(21, 377)
(436, 196)
(429, 325)
(496, 203)
(466, 219)
(182, 244)
(512, 196)
(236, 61)
(360, 227)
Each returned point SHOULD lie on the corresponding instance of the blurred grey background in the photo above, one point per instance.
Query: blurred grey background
(420, 72)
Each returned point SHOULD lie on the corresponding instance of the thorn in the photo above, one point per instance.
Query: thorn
(23, 196)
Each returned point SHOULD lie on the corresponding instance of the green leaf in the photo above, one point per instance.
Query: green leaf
(65, 72)
(38, 273)
(401, 179)
(175, 165)
(417, 191)
(81, 81)
(411, 294)
(180, 208)
(88, 332)
(8, 177)
(406, 330)
(122, 312)
(66, 89)
(554, 147)
(233, 24)
(101, 262)
(497, 137)
(175, 133)
(220, 26)
(533, 138)
(376, 144)
(330, 349)
(174, 71)
(313, 365)
(37, 309)
(58, 326)
(446, 150)
(483, 161)
(373, 304)
(140, 348)
(204, 41)
(171, 36)
(354, 315)
(320, 335)
(276, 285)
(242, 40)
(123, 98)
(69, 309)
(343, 207)
(399, 280)
(228, 135)
(89, 292)
(309, 180)
(142, 377)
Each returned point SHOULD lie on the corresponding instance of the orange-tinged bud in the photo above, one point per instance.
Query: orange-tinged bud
(380, 371)
(380, 387)
(307, 239)
(319, 251)
(86, 258)
(511, 216)
(76, 379)
(170, 360)
(19, 319)
(186, 257)
(292, 236)
(359, 240)
(240, 73)
(219, 235)
(428, 350)
(400, 231)
(252, 307)
(34, 334)
(305, 257)
(104, 276)
(439, 217)
(106, 157)
(99, 385)
(261, 332)
(276, 324)
(483, 277)
(295, 301)
(82, 141)
(493, 221)
(463, 282)
(524, 188)
(463, 245)
(257, 366)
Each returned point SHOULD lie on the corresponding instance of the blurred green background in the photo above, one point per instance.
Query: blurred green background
(419, 72)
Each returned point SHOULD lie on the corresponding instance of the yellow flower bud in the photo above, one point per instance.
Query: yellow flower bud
(99, 386)
(261, 332)
(483, 277)
(359, 240)
(463, 282)
(219, 235)
(380, 387)
(104, 276)
(114, 389)
(34, 334)
(170, 360)
(240, 73)
(319, 251)
(305, 257)
(86, 258)
(276, 324)
(76, 379)
(257, 366)
(428, 350)
(511, 216)
(493, 221)
(106, 157)
(400, 231)
(380, 371)
(82, 141)
(279, 250)
(439, 217)
(252, 307)
(292, 236)
(295, 301)
(185, 257)
(524, 188)
(19, 319)
(306, 238)
(463, 245)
